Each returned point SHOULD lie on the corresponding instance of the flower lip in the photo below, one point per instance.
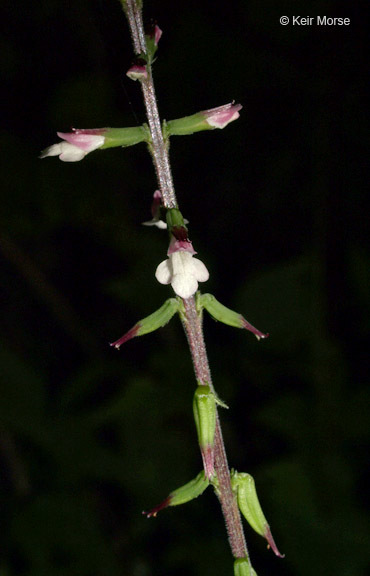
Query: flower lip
(183, 272)
(85, 141)
(75, 145)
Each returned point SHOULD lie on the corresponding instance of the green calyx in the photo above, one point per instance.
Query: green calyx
(218, 311)
(242, 567)
(174, 219)
(159, 318)
(187, 125)
(189, 491)
(205, 416)
(244, 486)
(124, 137)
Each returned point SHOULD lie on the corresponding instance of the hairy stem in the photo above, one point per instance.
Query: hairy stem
(194, 332)
(158, 146)
(192, 321)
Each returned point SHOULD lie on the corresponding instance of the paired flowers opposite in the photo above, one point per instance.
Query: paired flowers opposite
(77, 144)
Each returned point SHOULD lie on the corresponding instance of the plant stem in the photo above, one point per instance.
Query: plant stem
(158, 147)
(192, 321)
(194, 332)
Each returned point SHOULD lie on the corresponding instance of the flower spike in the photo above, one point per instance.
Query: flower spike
(156, 320)
(191, 490)
(219, 312)
(244, 487)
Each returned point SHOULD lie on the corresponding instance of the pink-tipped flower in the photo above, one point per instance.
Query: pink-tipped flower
(156, 212)
(181, 269)
(137, 72)
(76, 145)
(223, 115)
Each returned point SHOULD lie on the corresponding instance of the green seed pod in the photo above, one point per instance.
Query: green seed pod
(244, 487)
(223, 314)
(205, 412)
(248, 501)
(191, 490)
(242, 567)
(188, 492)
(156, 320)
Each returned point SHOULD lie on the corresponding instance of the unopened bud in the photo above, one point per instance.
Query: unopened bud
(205, 413)
(138, 70)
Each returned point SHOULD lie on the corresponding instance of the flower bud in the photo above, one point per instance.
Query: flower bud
(138, 70)
(242, 567)
(219, 312)
(205, 413)
(244, 486)
(153, 34)
(188, 492)
(152, 322)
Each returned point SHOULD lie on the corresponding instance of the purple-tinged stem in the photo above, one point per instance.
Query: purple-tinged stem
(194, 332)
(158, 146)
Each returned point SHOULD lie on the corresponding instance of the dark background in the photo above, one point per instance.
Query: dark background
(90, 437)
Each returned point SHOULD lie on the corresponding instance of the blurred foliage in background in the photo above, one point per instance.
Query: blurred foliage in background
(90, 437)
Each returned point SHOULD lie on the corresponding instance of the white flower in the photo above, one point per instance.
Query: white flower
(76, 145)
(183, 272)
